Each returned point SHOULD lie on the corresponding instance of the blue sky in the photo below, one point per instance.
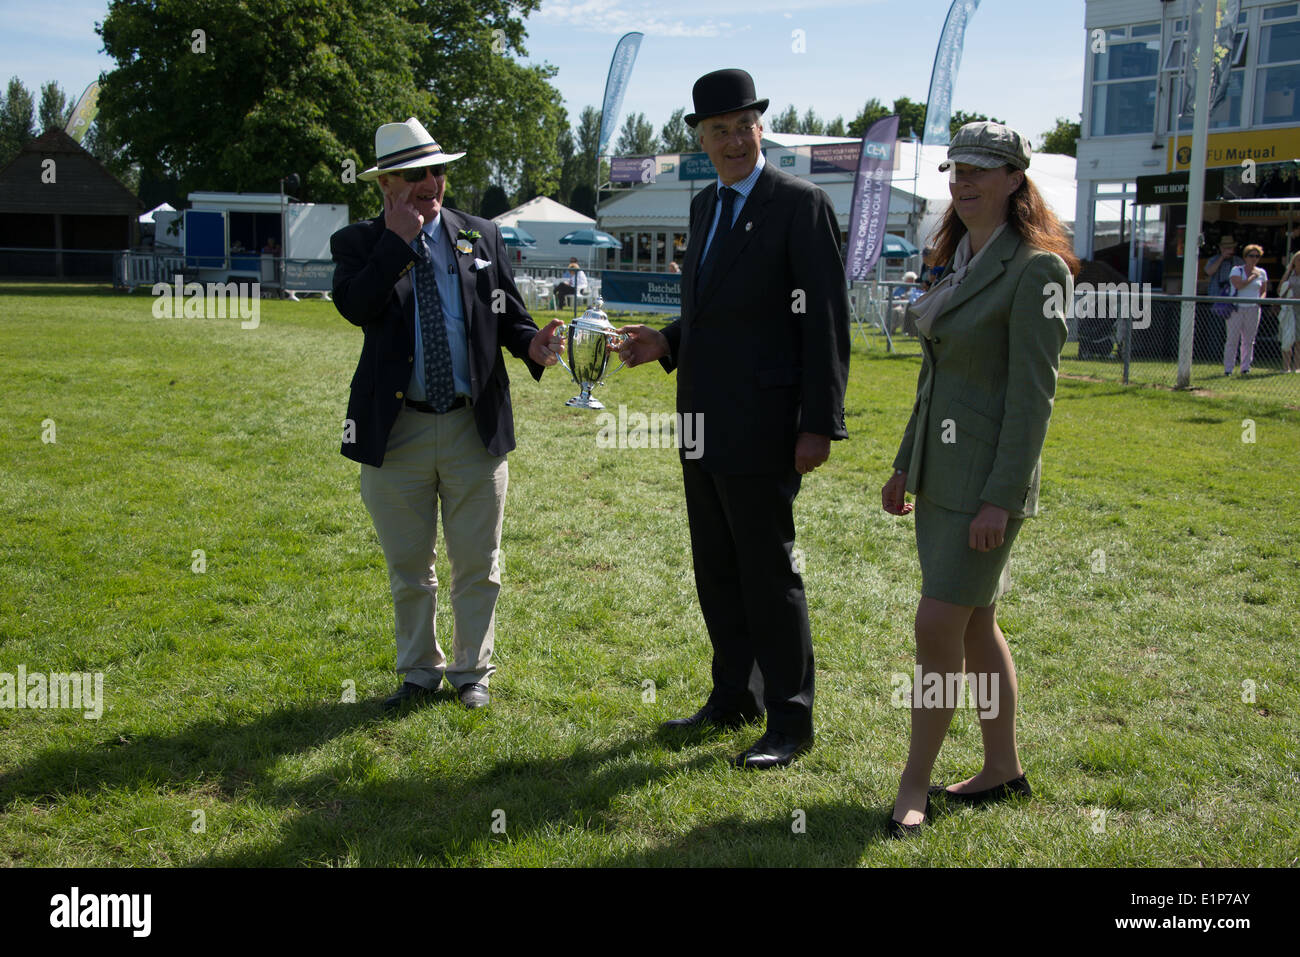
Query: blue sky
(1023, 60)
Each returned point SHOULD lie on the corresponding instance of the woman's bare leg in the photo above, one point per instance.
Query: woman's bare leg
(939, 631)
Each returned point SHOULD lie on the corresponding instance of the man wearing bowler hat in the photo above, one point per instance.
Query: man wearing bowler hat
(429, 417)
(762, 354)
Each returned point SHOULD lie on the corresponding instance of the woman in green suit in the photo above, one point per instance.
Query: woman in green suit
(991, 335)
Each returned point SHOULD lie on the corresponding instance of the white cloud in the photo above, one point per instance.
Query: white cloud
(673, 19)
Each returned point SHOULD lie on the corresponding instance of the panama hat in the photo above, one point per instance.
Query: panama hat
(408, 145)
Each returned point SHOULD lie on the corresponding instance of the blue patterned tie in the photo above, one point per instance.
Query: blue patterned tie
(439, 386)
(728, 197)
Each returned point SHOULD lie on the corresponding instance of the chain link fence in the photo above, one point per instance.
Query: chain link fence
(1134, 338)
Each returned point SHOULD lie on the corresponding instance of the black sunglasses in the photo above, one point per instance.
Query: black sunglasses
(417, 174)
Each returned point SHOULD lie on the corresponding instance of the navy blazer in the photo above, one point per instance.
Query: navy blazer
(762, 351)
(373, 289)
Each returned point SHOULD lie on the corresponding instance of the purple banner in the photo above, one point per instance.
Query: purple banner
(870, 212)
(632, 169)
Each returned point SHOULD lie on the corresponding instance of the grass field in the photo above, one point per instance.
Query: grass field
(1160, 585)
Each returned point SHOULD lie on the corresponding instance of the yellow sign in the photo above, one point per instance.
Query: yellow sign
(1232, 149)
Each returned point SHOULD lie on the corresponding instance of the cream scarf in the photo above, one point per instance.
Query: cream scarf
(926, 308)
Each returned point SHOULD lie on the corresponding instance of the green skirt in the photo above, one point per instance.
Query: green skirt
(951, 570)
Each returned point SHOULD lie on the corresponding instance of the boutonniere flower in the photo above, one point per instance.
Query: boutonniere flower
(465, 240)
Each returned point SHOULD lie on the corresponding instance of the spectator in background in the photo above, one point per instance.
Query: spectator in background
(1248, 282)
(1221, 265)
(1289, 288)
(930, 270)
(902, 297)
(674, 268)
(575, 281)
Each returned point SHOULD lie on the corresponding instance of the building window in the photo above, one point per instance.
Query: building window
(1278, 77)
(1124, 81)
(679, 248)
(1226, 114)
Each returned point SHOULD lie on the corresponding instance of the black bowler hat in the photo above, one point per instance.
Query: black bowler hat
(723, 91)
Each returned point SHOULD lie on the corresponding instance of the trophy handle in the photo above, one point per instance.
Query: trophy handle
(615, 340)
(560, 330)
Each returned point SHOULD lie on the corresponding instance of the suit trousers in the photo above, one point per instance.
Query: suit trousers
(751, 594)
(430, 459)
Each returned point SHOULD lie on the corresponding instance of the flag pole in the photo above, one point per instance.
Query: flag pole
(1196, 187)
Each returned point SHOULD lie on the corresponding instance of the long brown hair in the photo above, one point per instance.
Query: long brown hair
(1027, 213)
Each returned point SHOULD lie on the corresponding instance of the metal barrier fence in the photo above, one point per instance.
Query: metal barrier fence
(537, 286)
(1136, 340)
(59, 265)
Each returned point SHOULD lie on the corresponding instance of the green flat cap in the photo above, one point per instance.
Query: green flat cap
(988, 145)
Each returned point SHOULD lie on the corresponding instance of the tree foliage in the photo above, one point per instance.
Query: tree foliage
(960, 119)
(55, 109)
(300, 86)
(911, 117)
(787, 121)
(637, 137)
(1063, 138)
(676, 136)
(17, 118)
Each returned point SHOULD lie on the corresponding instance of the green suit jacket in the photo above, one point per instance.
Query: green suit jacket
(988, 378)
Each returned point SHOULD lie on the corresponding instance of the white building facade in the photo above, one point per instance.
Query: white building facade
(1135, 144)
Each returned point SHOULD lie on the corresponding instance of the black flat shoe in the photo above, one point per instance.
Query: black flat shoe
(1016, 787)
(897, 829)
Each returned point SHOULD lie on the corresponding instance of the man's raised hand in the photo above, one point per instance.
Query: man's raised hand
(399, 215)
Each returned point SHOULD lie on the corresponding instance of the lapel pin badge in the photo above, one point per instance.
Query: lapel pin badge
(749, 224)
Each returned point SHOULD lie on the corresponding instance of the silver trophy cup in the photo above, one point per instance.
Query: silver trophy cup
(589, 340)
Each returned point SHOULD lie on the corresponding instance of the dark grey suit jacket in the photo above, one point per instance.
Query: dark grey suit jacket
(762, 351)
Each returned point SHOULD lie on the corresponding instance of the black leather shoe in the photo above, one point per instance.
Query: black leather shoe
(473, 696)
(409, 694)
(1016, 787)
(709, 715)
(773, 750)
(897, 829)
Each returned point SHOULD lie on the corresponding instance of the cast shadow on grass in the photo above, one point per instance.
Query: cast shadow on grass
(542, 804)
(358, 813)
(227, 756)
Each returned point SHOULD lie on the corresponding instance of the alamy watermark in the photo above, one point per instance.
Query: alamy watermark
(37, 691)
(932, 689)
(657, 430)
(213, 300)
(1104, 300)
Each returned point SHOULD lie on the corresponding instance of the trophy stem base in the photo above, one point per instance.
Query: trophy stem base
(585, 401)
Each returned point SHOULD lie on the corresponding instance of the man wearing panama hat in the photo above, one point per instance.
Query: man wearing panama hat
(429, 416)
(762, 353)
